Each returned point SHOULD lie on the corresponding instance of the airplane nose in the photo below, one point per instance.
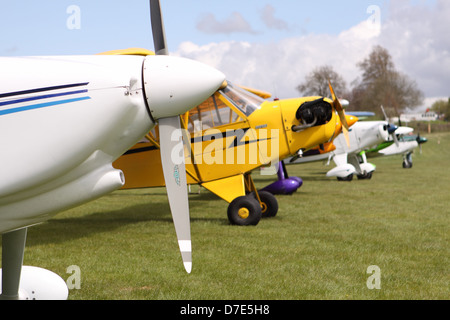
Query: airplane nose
(351, 120)
(175, 85)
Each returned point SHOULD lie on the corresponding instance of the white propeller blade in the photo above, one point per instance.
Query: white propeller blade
(394, 136)
(186, 84)
(172, 159)
(173, 165)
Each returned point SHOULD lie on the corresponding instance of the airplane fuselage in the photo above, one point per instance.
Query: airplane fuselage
(363, 135)
(63, 120)
(227, 150)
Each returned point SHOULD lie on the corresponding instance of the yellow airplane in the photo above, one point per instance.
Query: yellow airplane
(232, 133)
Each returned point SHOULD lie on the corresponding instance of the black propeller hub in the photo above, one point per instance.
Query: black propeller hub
(318, 112)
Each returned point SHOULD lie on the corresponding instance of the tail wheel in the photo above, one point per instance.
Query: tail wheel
(244, 211)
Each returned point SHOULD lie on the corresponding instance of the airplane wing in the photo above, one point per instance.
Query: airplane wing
(262, 94)
(403, 130)
(129, 51)
(361, 114)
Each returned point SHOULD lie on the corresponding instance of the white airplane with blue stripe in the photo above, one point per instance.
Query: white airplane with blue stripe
(81, 113)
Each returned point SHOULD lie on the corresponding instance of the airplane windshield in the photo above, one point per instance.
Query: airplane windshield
(244, 100)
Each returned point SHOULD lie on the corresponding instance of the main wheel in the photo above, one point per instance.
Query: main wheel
(406, 164)
(365, 175)
(347, 178)
(244, 211)
(269, 204)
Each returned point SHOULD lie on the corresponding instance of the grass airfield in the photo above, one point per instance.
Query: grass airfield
(319, 246)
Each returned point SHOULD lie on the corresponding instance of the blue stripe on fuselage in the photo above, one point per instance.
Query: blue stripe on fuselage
(47, 96)
(36, 90)
(41, 105)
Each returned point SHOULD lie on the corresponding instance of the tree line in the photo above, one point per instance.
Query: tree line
(380, 84)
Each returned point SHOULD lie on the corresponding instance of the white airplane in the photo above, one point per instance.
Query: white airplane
(347, 158)
(407, 142)
(351, 159)
(81, 113)
(402, 142)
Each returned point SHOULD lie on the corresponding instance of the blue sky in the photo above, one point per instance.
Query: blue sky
(39, 27)
(247, 38)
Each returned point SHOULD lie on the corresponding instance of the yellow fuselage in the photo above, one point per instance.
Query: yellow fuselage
(232, 149)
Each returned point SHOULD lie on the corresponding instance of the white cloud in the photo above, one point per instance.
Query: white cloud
(269, 19)
(280, 67)
(234, 23)
(415, 36)
(429, 101)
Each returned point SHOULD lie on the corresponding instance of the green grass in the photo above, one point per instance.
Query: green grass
(319, 246)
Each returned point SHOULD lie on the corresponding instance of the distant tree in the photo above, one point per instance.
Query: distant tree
(316, 83)
(442, 107)
(381, 84)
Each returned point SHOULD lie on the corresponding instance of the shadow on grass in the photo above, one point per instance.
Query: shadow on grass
(308, 176)
(61, 230)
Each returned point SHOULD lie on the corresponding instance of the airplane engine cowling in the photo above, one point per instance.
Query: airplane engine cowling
(317, 112)
(175, 85)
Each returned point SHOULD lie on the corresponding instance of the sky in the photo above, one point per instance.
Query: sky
(266, 44)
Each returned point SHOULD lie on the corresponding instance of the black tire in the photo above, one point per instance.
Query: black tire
(406, 164)
(269, 207)
(367, 176)
(244, 211)
(347, 178)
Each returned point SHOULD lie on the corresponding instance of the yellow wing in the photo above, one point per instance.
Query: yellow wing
(262, 94)
(129, 51)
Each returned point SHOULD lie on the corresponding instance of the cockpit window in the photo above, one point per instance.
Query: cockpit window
(218, 109)
(211, 113)
(246, 101)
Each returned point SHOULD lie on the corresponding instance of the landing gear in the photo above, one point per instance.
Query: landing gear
(13, 247)
(406, 164)
(407, 161)
(267, 201)
(249, 209)
(269, 204)
(347, 178)
(244, 211)
(26, 282)
(365, 175)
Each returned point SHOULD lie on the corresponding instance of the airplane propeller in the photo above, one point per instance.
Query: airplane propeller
(391, 128)
(419, 142)
(171, 139)
(159, 35)
(340, 111)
